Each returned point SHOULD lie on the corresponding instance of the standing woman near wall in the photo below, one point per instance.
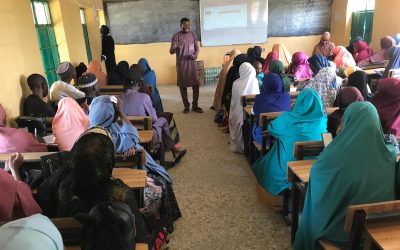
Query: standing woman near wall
(107, 49)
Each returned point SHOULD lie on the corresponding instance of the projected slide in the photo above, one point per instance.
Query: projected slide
(227, 22)
(225, 17)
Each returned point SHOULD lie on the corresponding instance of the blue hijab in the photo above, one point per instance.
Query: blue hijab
(318, 62)
(150, 79)
(394, 61)
(305, 122)
(149, 75)
(102, 113)
(272, 98)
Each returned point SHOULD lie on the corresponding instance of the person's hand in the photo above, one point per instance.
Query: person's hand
(14, 164)
(129, 153)
(120, 105)
(194, 56)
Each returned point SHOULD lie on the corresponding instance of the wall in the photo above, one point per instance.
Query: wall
(20, 52)
(164, 63)
(386, 20)
(341, 22)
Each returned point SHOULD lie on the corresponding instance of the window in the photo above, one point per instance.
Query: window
(46, 38)
(86, 35)
(362, 19)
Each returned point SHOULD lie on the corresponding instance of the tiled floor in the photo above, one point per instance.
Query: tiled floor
(215, 188)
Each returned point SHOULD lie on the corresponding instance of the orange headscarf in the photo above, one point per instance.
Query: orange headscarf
(343, 58)
(222, 78)
(284, 55)
(69, 123)
(95, 68)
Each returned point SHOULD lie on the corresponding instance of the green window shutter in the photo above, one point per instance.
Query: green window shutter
(46, 39)
(361, 25)
(87, 43)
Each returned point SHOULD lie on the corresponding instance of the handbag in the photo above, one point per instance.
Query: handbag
(36, 124)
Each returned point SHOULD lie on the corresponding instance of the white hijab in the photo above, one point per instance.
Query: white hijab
(247, 84)
(36, 232)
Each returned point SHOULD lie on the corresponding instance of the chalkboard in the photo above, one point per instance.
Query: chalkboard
(298, 17)
(149, 21)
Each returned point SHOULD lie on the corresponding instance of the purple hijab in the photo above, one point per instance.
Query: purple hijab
(394, 60)
(272, 99)
(299, 67)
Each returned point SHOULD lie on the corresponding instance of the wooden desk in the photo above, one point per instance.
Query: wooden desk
(134, 178)
(112, 90)
(373, 71)
(384, 234)
(298, 174)
(28, 157)
(248, 109)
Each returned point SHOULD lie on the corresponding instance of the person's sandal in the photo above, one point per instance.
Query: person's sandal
(197, 110)
(185, 111)
(179, 155)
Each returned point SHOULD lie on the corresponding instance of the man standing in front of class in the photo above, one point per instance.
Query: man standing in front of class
(185, 45)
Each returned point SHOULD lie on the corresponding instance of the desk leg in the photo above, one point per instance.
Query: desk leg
(295, 206)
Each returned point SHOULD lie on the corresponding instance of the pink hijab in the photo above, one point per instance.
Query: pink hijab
(361, 51)
(95, 68)
(386, 43)
(69, 123)
(343, 58)
(273, 55)
(16, 199)
(387, 102)
(14, 140)
(299, 67)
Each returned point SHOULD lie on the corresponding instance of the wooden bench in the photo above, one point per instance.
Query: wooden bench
(378, 223)
(374, 71)
(395, 73)
(28, 157)
(112, 90)
(264, 120)
(140, 122)
(331, 110)
(133, 178)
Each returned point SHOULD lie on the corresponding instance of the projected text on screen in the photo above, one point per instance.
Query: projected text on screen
(221, 17)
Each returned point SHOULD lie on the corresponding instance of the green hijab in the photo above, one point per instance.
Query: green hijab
(357, 167)
(277, 67)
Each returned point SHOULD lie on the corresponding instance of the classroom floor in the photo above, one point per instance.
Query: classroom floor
(215, 188)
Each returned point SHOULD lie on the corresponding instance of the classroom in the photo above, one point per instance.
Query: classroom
(200, 124)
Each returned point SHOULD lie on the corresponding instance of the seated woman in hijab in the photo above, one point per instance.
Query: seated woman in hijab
(394, 60)
(95, 68)
(283, 54)
(346, 96)
(69, 123)
(273, 55)
(272, 99)
(335, 180)
(326, 86)
(305, 122)
(318, 62)
(17, 140)
(247, 84)
(255, 55)
(387, 102)
(36, 232)
(104, 112)
(343, 58)
(277, 67)
(299, 67)
(325, 46)
(359, 79)
(233, 75)
(386, 43)
(139, 104)
(16, 196)
(362, 51)
(150, 80)
(87, 181)
(217, 105)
